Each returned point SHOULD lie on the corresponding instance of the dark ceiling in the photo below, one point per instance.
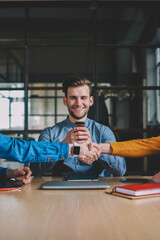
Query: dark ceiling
(79, 23)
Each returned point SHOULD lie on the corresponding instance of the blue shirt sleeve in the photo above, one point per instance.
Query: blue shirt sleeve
(24, 151)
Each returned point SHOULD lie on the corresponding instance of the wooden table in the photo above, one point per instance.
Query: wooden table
(34, 214)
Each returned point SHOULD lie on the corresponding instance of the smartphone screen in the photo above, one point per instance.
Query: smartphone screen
(79, 124)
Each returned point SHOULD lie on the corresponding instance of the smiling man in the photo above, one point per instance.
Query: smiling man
(78, 100)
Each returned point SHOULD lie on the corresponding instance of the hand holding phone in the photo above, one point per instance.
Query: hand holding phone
(82, 133)
(78, 134)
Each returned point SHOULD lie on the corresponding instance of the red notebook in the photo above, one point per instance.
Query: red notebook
(138, 189)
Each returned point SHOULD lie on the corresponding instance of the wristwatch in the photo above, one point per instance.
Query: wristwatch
(75, 149)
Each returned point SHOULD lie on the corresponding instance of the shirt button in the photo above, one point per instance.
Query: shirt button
(48, 159)
(63, 157)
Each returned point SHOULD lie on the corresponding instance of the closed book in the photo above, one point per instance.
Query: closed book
(139, 189)
(10, 185)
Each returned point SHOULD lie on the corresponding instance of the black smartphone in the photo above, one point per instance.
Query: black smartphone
(132, 180)
(79, 124)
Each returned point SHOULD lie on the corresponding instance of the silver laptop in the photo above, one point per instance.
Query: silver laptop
(75, 185)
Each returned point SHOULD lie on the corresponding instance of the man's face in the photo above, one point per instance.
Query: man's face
(78, 101)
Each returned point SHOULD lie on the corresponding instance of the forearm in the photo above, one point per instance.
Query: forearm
(125, 149)
(105, 148)
(23, 151)
(137, 147)
(132, 148)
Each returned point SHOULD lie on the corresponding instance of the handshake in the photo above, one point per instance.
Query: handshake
(90, 152)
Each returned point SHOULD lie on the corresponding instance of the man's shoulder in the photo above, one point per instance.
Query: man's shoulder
(100, 126)
(59, 124)
(50, 133)
(56, 126)
(56, 129)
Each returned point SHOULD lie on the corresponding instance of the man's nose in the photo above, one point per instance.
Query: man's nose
(78, 101)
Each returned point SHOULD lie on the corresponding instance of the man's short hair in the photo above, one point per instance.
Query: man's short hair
(76, 80)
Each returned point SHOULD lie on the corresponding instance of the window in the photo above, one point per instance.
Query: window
(158, 82)
(12, 106)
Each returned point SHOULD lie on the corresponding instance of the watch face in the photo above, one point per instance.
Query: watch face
(76, 150)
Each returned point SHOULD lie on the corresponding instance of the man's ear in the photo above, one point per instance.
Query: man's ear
(65, 101)
(91, 101)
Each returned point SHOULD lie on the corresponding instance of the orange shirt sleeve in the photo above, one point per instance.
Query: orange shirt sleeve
(137, 147)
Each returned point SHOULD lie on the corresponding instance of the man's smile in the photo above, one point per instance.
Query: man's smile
(78, 108)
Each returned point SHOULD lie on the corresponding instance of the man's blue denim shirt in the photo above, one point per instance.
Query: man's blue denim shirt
(99, 133)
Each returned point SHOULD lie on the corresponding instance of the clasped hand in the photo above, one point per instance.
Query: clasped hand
(77, 134)
(20, 174)
(88, 153)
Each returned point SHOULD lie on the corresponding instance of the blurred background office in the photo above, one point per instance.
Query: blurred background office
(116, 44)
